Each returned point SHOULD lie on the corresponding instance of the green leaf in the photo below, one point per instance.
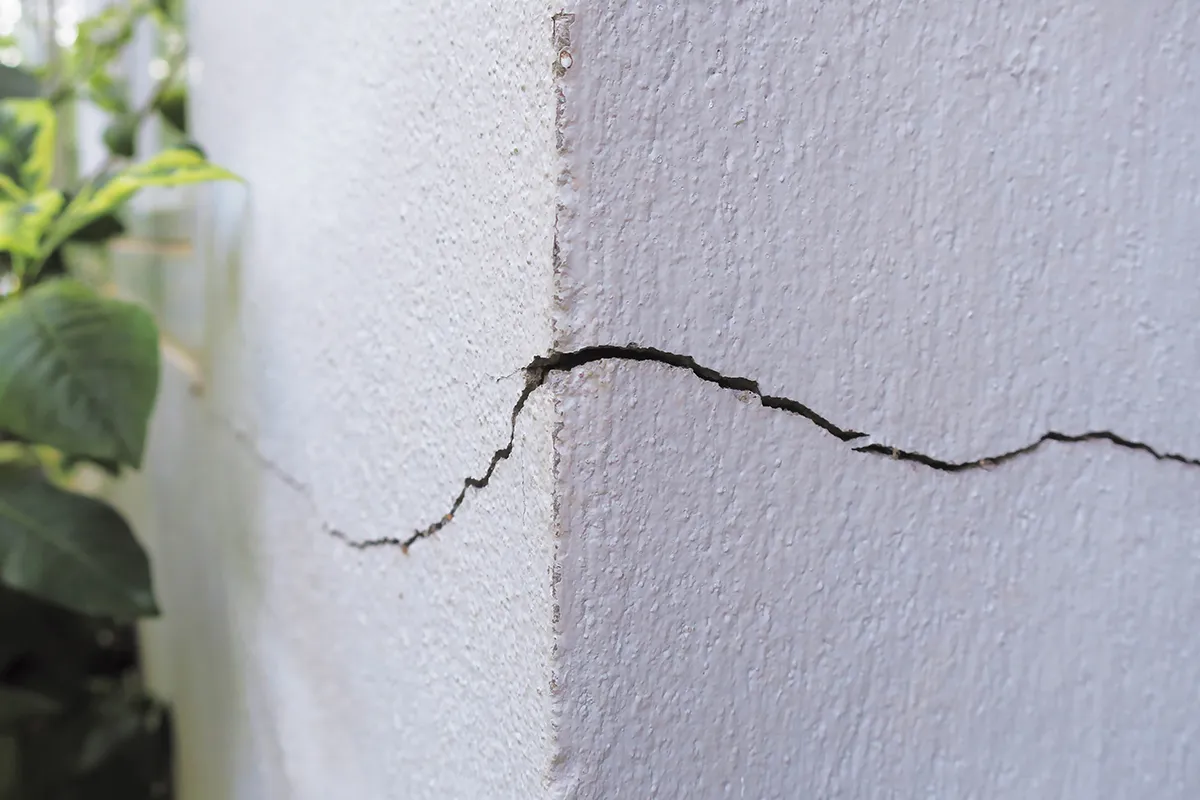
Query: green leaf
(173, 107)
(69, 549)
(22, 224)
(99, 230)
(120, 137)
(18, 705)
(11, 190)
(78, 372)
(100, 39)
(55, 266)
(108, 93)
(175, 167)
(27, 131)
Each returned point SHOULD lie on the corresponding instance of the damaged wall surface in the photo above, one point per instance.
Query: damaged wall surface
(851, 455)
(954, 227)
(354, 313)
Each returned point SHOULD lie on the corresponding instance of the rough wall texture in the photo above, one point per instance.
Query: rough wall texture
(364, 302)
(958, 224)
(954, 226)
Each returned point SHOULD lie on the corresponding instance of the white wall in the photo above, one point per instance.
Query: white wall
(363, 303)
(954, 226)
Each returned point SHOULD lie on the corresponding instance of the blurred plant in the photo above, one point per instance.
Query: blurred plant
(78, 380)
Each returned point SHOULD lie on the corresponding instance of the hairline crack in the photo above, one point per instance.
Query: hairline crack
(541, 367)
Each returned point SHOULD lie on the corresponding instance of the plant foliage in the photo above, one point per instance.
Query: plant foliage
(79, 373)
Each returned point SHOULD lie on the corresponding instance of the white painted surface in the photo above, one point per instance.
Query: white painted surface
(751, 610)
(395, 265)
(954, 226)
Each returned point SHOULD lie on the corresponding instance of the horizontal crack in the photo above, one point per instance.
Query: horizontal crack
(541, 367)
(993, 461)
(565, 362)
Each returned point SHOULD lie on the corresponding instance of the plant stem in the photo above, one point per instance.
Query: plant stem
(142, 112)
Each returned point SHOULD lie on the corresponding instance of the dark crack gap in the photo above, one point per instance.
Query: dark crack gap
(565, 362)
(541, 368)
(994, 461)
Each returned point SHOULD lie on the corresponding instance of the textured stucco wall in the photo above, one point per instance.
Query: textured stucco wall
(355, 314)
(954, 226)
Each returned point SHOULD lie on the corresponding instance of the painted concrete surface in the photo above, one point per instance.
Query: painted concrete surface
(958, 224)
(954, 226)
(750, 609)
(363, 304)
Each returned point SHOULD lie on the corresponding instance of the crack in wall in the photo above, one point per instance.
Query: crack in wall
(1049, 436)
(542, 367)
(273, 468)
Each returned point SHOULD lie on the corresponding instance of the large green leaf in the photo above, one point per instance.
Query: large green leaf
(78, 371)
(69, 549)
